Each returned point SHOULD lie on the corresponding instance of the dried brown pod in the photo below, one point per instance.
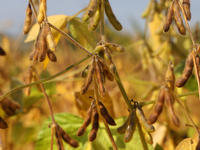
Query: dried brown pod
(106, 115)
(168, 22)
(178, 18)
(84, 73)
(2, 52)
(51, 56)
(89, 78)
(158, 107)
(50, 39)
(170, 77)
(142, 120)
(67, 138)
(115, 47)
(169, 102)
(3, 124)
(95, 124)
(186, 7)
(187, 72)
(10, 107)
(131, 128)
(27, 22)
(86, 122)
(111, 17)
(122, 128)
(28, 79)
(59, 139)
(106, 70)
(100, 79)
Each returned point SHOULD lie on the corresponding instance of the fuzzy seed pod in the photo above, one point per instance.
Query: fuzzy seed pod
(2, 52)
(115, 47)
(106, 70)
(89, 78)
(59, 139)
(106, 115)
(186, 7)
(86, 122)
(50, 39)
(122, 129)
(107, 56)
(187, 72)
(10, 107)
(178, 18)
(51, 56)
(28, 79)
(85, 72)
(100, 79)
(111, 17)
(99, 48)
(95, 20)
(168, 22)
(93, 8)
(95, 124)
(27, 22)
(131, 128)
(3, 124)
(112, 67)
(40, 16)
(170, 77)
(169, 102)
(147, 136)
(42, 45)
(143, 120)
(158, 107)
(67, 138)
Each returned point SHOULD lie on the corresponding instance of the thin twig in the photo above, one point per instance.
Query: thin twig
(70, 39)
(102, 26)
(52, 134)
(35, 12)
(186, 22)
(45, 95)
(96, 95)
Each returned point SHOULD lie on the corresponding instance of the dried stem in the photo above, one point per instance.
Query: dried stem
(52, 134)
(186, 22)
(187, 114)
(144, 144)
(45, 79)
(96, 95)
(119, 83)
(35, 12)
(45, 95)
(102, 26)
(70, 39)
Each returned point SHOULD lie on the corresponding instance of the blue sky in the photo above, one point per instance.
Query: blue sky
(12, 12)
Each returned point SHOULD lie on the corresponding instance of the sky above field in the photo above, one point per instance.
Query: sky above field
(12, 12)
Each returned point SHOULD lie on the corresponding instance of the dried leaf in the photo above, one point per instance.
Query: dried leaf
(60, 21)
(187, 144)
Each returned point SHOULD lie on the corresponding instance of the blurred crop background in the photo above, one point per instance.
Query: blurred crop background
(63, 91)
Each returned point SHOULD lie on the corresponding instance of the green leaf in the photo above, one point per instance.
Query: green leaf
(158, 147)
(18, 95)
(81, 34)
(71, 123)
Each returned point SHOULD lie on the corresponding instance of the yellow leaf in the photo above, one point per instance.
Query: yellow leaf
(187, 144)
(83, 102)
(45, 62)
(60, 21)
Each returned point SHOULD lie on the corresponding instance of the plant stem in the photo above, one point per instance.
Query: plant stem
(186, 112)
(102, 26)
(46, 96)
(144, 144)
(96, 95)
(123, 91)
(186, 22)
(70, 39)
(77, 13)
(35, 12)
(45, 79)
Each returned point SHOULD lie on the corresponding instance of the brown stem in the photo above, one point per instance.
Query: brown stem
(96, 96)
(70, 39)
(46, 96)
(102, 26)
(35, 12)
(186, 22)
(52, 134)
